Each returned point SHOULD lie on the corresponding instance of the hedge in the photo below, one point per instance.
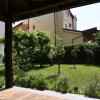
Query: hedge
(86, 53)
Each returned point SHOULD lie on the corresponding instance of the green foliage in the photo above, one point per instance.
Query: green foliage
(41, 82)
(61, 85)
(2, 39)
(59, 52)
(1, 58)
(59, 49)
(93, 87)
(97, 38)
(68, 54)
(1, 82)
(30, 48)
(76, 78)
(43, 47)
(82, 53)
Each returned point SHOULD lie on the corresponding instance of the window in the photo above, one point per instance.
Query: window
(70, 25)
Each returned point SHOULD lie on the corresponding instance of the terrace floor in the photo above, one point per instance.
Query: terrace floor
(17, 93)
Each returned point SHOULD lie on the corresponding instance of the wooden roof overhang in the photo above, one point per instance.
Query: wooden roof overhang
(21, 9)
(14, 10)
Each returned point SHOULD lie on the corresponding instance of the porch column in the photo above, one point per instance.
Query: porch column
(8, 52)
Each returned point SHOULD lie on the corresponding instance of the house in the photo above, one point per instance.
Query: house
(52, 23)
(75, 36)
(70, 36)
(62, 23)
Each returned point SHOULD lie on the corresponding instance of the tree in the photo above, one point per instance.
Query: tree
(30, 48)
(74, 54)
(43, 47)
(59, 52)
(24, 44)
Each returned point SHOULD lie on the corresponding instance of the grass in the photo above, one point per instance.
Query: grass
(77, 77)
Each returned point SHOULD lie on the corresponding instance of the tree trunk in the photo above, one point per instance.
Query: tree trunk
(58, 69)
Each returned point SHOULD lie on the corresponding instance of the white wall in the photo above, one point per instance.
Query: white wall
(69, 35)
(67, 19)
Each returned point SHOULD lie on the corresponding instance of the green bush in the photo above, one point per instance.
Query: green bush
(30, 48)
(93, 87)
(1, 82)
(2, 39)
(61, 85)
(34, 81)
(41, 82)
(86, 53)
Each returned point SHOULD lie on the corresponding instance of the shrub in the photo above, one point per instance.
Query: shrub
(1, 82)
(93, 87)
(84, 53)
(2, 39)
(61, 85)
(40, 82)
(30, 48)
(34, 81)
(68, 56)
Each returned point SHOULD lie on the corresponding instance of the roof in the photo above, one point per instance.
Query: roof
(87, 31)
(90, 31)
(22, 9)
(72, 30)
(71, 13)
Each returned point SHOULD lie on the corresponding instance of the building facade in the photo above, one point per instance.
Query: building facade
(62, 24)
(52, 23)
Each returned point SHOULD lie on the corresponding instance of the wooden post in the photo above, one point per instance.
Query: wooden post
(8, 52)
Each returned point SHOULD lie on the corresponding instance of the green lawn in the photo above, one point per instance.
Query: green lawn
(77, 77)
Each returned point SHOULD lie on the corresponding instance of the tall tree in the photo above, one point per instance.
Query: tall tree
(43, 47)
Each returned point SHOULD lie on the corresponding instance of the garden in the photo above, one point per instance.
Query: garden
(37, 64)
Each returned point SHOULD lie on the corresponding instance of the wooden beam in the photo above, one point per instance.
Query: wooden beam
(8, 52)
(45, 9)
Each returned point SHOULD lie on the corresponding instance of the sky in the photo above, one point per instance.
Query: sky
(87, 16)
